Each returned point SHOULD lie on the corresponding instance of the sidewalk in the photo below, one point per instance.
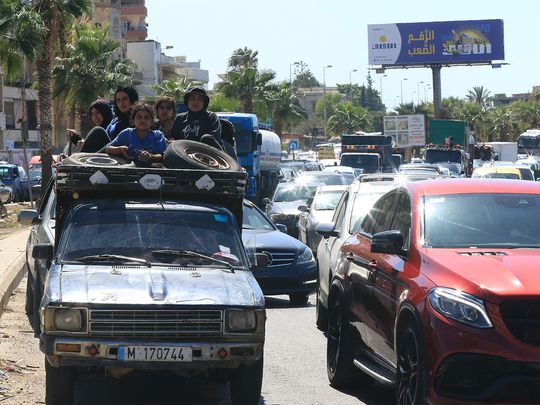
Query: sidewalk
(12, 260)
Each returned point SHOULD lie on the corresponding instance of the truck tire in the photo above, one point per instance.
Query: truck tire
(246, 384)
(95, 159)
(58, 385)
(29, 302)
(185, 154)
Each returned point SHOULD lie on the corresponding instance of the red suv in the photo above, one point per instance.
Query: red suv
(439, 294)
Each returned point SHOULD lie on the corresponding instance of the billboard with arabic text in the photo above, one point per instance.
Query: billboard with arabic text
(447, 42)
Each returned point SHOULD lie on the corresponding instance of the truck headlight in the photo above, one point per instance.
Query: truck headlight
(305, 257)
(460, 306)
(243, 320)
(69, 320)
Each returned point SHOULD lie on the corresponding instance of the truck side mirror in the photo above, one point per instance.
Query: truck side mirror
(43, 251)
(262, 260)
(259, 138)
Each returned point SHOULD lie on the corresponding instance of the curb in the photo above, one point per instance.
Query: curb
(10, 278)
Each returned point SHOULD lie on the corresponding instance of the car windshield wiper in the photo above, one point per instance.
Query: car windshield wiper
(190, 253)
(111, 258)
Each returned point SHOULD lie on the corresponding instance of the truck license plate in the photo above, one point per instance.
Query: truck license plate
(155, 353)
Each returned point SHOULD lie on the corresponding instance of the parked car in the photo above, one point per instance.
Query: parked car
(283, 207)
(291, 270)
(354, 203)
(437, 294)
(5, 193)
(10, 175)
(319, 208)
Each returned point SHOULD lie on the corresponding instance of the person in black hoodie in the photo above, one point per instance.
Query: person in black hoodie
(198, 124)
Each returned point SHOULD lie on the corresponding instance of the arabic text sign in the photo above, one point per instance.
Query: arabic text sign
(405, 130)
(436, 42)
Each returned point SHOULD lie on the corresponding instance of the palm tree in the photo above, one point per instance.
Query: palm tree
(349, 118)
(175, 88)
(480, 96)
(244, 81)
(56, 15)
(87, 72)
(284, 106)
(504, 125)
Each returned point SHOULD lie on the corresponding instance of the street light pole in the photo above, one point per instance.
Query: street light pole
(324, 97)
(418, 92)
(350, 83)
(290, 70)
(401, 88)
(380, 89)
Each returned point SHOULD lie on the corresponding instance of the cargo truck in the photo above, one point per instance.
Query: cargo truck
(449, 141)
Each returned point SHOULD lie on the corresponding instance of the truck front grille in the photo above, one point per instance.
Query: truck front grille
(160, 324)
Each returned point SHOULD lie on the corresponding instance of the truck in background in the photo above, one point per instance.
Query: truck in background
(449, 141)
(368, 144)
(259, 153)
(504, 151)
(528, 142)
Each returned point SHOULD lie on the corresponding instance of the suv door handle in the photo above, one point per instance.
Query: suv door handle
(372, 264)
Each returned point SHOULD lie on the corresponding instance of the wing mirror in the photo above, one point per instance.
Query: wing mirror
(327, 230)
(303, 208)
(390, 242)
(282, 227)
(262, 261)
(27, 217)
(266, 200)
(42, 251)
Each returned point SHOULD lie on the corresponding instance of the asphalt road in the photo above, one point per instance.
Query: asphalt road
(294, 374)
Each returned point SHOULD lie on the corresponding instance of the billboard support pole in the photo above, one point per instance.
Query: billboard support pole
(437, 99)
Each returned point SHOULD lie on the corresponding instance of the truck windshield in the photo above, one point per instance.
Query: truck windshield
(243, 136)
(368, 162)
(435, 156)
(147, 233)
(482, 220)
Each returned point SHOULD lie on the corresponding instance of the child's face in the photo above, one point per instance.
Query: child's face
(97, 118)
(195, 102)
(164, 112)
(122, 101)
(142, 120)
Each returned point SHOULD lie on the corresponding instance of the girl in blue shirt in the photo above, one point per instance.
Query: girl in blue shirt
(140, 144)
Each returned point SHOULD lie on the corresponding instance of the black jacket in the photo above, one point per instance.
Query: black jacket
(192, 126)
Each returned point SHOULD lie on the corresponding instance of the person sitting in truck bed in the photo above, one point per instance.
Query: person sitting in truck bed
(198, 124)
(141, 144)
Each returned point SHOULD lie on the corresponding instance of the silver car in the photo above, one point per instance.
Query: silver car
(319, 208)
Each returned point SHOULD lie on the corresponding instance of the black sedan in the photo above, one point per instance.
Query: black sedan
(292, 269)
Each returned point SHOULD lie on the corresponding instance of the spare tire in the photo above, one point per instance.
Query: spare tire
(95, 159)
(185, 154)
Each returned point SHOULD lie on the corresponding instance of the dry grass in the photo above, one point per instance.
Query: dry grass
(9, 222)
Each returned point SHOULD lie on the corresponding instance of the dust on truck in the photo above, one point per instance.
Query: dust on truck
(448, 142)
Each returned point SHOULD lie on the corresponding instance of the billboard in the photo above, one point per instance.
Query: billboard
(446, 42)
(405, 130)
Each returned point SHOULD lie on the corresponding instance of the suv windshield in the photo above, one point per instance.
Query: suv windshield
(294, 192)
(152, 235)
(482, 220)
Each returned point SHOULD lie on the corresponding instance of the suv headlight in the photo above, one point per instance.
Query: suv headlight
(460, 306)
(241, 320)
(305, 257)
(68, 320)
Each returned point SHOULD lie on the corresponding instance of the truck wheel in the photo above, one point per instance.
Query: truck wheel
(246, 384)
(58, 385)
(34, 319)
(95, 159)
(185, 154)
(29, 303)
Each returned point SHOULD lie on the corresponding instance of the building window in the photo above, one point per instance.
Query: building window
(10, 120)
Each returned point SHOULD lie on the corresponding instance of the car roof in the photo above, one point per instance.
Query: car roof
(471, 186)
(497, 169)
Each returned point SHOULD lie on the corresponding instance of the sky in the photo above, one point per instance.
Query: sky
(322, 33)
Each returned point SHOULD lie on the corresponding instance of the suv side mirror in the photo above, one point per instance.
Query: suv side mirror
(327, 230)
(390, 242)
(266, 200)
(282, 227)
(43, 251)
(303, 208)
(27, 217)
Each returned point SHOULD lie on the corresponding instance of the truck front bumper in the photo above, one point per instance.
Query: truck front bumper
(88, 352)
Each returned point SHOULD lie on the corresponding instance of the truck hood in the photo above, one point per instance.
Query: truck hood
(157, 285)
(512, 272)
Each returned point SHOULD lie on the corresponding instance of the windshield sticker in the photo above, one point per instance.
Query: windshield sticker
(220, 218)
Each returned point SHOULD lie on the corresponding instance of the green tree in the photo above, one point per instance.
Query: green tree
(348, 118)
(57, 15)
(284, 106)
(244, 81)
(303, 76)
(480, 96)
(503, 124)
(219, 102)
(88, 70)
(527, 113)
(175, 88)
